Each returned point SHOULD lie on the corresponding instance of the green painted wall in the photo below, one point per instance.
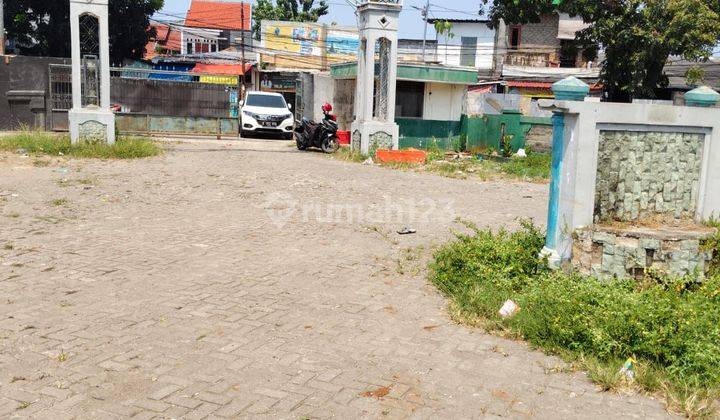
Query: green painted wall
(420, 134)
(481, 132)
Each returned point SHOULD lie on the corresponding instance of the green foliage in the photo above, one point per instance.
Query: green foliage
(42, 27)
(459, 143)
(288, 10)
(713, 244)
(534, 166)
(505, 143)
(434, 151)
(444, 27)
(694, 75)
(637, 36)
(668, 325)
(50, 144)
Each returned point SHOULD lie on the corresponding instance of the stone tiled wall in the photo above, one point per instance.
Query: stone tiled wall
(93, 132)
(622, 253)
(641, 174)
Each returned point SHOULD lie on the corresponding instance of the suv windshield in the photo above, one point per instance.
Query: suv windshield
(266, 101)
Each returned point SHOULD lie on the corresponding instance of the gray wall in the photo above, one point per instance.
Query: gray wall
(540, 35)
(28, 74)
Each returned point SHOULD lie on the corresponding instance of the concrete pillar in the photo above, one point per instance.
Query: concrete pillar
(569, 89)
(2, 28)
(358, 104)
(368, 92)
(376, 20)
(392, 81)
(92, 123)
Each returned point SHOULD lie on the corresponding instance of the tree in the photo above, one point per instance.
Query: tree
(637, 36)
(42, 27)
(289, 10)
(444, 27)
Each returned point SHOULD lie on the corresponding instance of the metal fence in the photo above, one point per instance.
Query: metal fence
(60, 98)
(157, 101)
(169, 93)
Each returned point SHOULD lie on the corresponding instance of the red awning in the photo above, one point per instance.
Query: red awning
(221, 69)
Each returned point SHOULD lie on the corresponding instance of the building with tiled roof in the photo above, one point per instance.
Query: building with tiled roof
(167, 41)
(212, 26)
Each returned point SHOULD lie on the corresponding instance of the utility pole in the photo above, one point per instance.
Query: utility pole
(242, 50)
(2, 28)
(425, 12)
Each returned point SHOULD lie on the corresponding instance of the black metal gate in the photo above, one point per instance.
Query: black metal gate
(60, 96)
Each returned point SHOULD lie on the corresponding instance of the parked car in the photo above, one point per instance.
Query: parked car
(266, 113)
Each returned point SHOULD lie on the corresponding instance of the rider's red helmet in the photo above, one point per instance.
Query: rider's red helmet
(327, 107)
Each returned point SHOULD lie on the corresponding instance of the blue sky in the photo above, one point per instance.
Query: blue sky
(411, 25)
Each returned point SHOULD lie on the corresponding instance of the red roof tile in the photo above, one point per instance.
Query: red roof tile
(219, 15)
(167, 38)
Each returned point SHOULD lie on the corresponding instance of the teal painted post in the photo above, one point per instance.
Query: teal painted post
(702, 96)
(568, 89)
(558, 121)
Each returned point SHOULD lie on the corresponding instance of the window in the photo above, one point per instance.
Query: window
(468, 51)
(266, 101)
(568, 53)
(409, 99)
(515, 37)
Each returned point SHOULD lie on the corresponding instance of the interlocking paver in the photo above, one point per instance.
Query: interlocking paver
(169, 290)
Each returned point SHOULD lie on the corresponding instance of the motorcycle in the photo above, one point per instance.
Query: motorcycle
(321, 135)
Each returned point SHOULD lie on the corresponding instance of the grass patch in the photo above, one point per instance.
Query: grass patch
(533, 168)
(670, 326)
(40, 143)
(349, 155)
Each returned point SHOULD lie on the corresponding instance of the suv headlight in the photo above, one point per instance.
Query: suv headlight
(251, 114)
(288, 116)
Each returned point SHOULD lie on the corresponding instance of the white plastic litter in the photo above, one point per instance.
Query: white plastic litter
(369, 161)
(521, 153)
(509, 309)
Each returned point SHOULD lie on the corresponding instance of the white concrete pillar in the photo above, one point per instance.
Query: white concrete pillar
(76, 57)
(104, 60)
(359, 86)
(392, 81)
(368, 91)
(92, 124)
(376, 20)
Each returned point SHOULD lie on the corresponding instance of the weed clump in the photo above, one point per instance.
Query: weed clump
(669, 325)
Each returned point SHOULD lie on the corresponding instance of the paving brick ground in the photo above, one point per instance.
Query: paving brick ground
(163, 288)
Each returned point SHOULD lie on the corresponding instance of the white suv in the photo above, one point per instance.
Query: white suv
(266, 113)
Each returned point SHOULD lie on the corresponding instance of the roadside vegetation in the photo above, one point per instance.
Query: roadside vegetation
(668, 326)
(41, 143)
(533, 168)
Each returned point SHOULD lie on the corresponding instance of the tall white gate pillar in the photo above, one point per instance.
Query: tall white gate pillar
(90, 118)
(374, 126)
